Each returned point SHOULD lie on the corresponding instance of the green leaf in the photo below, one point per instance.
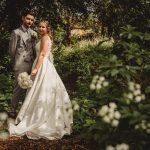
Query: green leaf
(114, 72)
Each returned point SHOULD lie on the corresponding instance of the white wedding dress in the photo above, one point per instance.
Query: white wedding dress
(46, 111)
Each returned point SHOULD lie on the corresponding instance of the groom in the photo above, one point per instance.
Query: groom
(21, 49)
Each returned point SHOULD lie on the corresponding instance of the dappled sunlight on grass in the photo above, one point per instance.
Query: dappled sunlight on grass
(84, 44)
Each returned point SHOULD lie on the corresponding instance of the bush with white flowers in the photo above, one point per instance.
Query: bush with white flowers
(75, 105)
(98, 82)
(122, 146)
(24, 80)
(110, 114)
(134, 93)
(3, 118)
(144, 125)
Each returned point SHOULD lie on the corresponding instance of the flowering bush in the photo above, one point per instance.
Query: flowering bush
(3, 121)
(114, 103)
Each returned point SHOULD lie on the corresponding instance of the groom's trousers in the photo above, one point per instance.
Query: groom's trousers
(19, 93)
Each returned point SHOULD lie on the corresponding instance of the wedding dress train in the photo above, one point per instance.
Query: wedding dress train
(46, 111)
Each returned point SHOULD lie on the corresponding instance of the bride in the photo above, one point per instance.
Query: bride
(46, 111)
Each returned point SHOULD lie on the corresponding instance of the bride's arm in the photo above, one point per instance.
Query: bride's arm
(43, 49)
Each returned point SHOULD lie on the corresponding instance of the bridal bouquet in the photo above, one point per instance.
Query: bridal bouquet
(24, 80)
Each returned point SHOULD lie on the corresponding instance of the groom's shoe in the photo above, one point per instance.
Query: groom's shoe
(12, 114)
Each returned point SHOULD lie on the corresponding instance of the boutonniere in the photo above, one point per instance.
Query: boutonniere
(34, 36)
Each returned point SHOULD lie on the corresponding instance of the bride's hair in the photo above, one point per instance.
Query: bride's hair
(48, 28)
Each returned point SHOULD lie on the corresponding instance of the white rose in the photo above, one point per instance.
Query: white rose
(25, 83)
(23, 75)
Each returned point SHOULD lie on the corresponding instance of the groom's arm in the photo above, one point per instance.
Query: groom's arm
(13, 44)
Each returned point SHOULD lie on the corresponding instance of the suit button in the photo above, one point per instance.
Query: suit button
(23, 56)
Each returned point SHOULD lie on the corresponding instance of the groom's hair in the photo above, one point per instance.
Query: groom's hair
(28, 11)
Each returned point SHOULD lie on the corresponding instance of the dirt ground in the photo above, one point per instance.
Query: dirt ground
(23, 143)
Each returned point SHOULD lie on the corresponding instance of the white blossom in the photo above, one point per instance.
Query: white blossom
(138, 86)
(131, 86)
(102, 78)
(3, 116)
(136, 92)
(117, 115)
(106, 119)
(4, 135)
(95, 77)
(76, 107)
(111, 110)
(92, 86)
(143, 126)
(112, 105)
(109, 147)
(148, 131)
(122, 146)
(103, 110)
(111, 115)
(105, 83)
(130, 95)
(115, 123)
(143, 97)
(136, 127)
(98, 86)
(138, 98)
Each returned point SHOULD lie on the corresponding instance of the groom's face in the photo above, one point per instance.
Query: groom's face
(28, 20)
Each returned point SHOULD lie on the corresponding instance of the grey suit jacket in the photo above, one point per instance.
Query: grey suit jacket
(22, 47)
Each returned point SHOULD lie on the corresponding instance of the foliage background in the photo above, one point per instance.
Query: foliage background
(117, 48)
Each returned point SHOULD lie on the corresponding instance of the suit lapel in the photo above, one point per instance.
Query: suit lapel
(24, 36)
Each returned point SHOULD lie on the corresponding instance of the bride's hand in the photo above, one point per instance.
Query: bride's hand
(34, 72)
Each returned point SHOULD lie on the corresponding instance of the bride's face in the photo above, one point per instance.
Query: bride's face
(42, 28)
